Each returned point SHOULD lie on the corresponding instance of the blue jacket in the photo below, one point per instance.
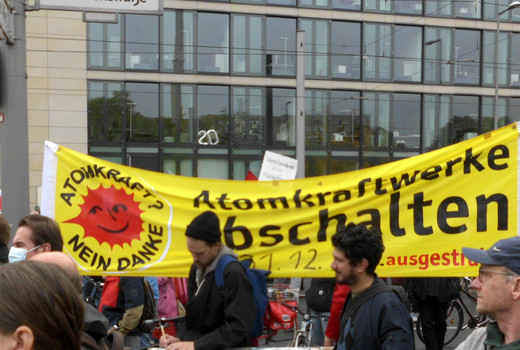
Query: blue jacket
(382, 322)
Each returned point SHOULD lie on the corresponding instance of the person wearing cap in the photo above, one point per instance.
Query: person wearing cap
(215, 319)
(498, 295)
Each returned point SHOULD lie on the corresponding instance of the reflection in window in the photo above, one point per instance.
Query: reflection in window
(247, 115)
(314, 3)
(142, 42)
(377, 51)
(213, 115)
(513, 111)
(342, 165)
(346, 4)
(438, 8)
(491, 8)
(282, 2)
(212, 167)
(412, 7)
(177, 164)
(466, 57)
(436, 121)
(316, 123)
(378, 131)
(105, 44)
(177, 113)
(281, 106)
(407, 53)
(247, 44)
(316, 163)
(105, 109)
(437, 51)
(488, 57)
(468, 9)
(177, 28)
(281, 46)
(346, 50)
(213, 42)
(487, 113)
(378, 5)
(406, 122)
(514, 64)
(142, 112)
(317, 47)
(344, 108)
(463, 119)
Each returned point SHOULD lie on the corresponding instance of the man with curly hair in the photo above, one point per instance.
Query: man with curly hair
(373, 316)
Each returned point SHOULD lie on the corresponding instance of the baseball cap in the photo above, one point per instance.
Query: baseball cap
(505, 252)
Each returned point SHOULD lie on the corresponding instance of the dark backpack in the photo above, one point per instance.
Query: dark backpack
(150, 307)
(258, 281)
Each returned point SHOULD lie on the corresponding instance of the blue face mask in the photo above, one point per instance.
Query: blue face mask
(19, 254)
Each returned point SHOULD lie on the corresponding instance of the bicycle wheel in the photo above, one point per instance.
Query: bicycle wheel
(454, 320)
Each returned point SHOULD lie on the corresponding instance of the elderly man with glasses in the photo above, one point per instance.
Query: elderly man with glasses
(498, 295)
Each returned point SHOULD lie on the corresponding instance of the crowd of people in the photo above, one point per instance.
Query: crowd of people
(41, 303)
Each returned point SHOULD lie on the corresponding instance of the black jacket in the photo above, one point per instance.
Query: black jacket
(444, 288)
(382, 323)
(219, 319)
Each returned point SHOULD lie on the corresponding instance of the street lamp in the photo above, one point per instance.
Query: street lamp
(511, 6)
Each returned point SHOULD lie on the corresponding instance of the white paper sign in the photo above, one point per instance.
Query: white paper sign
(119, 6)
(277, 167)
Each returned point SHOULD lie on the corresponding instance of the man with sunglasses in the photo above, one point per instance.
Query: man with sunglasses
(498, 295)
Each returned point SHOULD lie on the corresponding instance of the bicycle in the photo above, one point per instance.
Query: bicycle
(455, 315)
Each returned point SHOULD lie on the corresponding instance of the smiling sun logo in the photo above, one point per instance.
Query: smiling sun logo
(110, 215)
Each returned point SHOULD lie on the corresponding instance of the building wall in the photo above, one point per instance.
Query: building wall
(56, 84)
(58, 75)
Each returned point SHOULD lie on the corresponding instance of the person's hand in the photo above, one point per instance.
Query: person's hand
(167, 340)
(183, 345)
(328, 341)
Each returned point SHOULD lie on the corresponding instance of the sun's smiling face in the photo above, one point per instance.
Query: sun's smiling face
(110, 215)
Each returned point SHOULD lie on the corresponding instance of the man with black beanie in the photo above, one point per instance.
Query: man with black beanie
(215, 318)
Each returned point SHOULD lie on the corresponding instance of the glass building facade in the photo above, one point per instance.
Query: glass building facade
(205, 92)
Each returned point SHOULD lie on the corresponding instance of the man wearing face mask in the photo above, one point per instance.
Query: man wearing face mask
(35, 234)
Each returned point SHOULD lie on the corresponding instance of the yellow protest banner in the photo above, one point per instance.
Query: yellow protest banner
(121, 220)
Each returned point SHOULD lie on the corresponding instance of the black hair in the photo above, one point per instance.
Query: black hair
(358, 242)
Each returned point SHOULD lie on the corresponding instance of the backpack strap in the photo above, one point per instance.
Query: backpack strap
(221, 266)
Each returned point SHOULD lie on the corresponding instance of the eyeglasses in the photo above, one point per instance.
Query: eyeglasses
(481, 273)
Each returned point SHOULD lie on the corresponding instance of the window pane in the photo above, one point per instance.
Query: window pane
(464, 119)
(406, 122)
(316, 122)
(345, 126)
(282, 2)
(213, 42)
(514, 64)
(247, 44)
(436, 122)
(212, 167)
(142, 112)
(105, 110)
(347, 4)
(377, 128)
(105, 45)
(413, 7)
(468, 9)
(346, 50)
(438, 8)
(281, 129)
(378, 51)
(177, 41)
(247, 114)
(213, 116)
(437, 51)
(316, 42)
(378, 5)
(142, 42)
(177, 112)
(407, 53)
(281, 46)
(467, 57)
